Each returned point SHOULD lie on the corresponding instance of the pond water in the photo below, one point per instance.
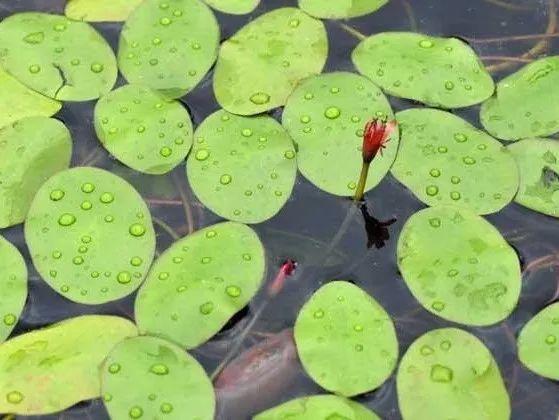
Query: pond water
(304, 229)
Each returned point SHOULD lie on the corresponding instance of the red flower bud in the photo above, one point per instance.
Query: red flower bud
(377, 134)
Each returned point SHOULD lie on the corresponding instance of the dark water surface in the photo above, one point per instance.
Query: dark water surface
(306, 225)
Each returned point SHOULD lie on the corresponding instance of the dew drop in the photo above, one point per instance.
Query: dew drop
(56, 195)
(455, 180)
(440, 373)
(332, 112)
(289, 154)
(449, 85)
(550, 339)
(233, 291)
(246, 132)
(137, 230)
(9, 319)
(294, 23)
(136, 412)
(469, 160)
(435, 222)
(166, 408)
(435, 173)
(426, 350)
(165, 21)
(34, 68)
(159, 369)
(124, 277)
(318, 314)
(14, 397)
(225, 179)
(202, 154)
(86, 205)
(136, 261)
(114, 368)
(432, 190)
(438, 306)
(455, 195)
(425, 43)
(67, 219)
(211, 234)
(260, 98)
(206, 308)
(460, 137)
(165, 151)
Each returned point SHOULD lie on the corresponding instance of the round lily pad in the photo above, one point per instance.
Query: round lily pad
(441, 72)
(325, 115)
(449, 374)
(143, 129)
(444, 160)
(526, 103)
(458, 266)
(168, 45)
(346, 341)
(340, 9)
(31, 149)
(13, 283)
(48, 370)
(234, 7)
(61, 58)
(200, 282)
(242, 168)
(261, 64)
(100, 10)
(147, 377)
(537, 160)
(328, 407)
(90, 235)
(538, 343)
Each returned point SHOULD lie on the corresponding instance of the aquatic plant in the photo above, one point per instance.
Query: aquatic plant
(340, 9)
(233, 7)
(100, 10)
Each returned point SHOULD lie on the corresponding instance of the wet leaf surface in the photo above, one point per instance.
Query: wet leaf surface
(340, 9)
(100, 10)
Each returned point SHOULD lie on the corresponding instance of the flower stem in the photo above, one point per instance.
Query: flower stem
(360, 192)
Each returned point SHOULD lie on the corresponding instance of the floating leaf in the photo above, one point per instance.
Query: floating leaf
(444, 160)
(329, 407)
(61, 58)
(458, 266)
(100, 10)
(538, 343)
(143, 130)
(168, 45)
(260, 65)
(48, 370)
(200, 282)
(325, 115)
(31, 150)
(441, 72)
(242, 168)
(345, 339)
(152, 378)
(90, 235)
(449, 374)
(340, 9)
(234, 7)
(526, 103)
(13, 283)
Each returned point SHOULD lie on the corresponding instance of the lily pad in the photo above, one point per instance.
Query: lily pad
(449, 374)
(90, 235)
(13, 283)
(200, 282)
(441, 72)
(325, 115)
(48, 370)
(143, 129)
(100, 10)
(538, 343)
(458, 266)
(537, 160)
(32, 150)
(263, 62)
(316, 407)
(526, 103)
(168, 45)
(152, 378)
(346, 341)
(242, 168)
(444, 160)
(234, 7)
(340, 9)
(61, 58)
(17, 101)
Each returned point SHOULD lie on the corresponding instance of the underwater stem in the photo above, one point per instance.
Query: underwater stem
(186, 206)
(411, 15)
(509, 6)
(510, 38)
(352, 31)
(166, 228)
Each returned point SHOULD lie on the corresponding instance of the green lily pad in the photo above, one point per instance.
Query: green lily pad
(152, 378)
(143, 129)
(346, 341)
(318, 407)
(526, 103)
(441, 72)
(449, 374)
(13, 283)
(90, 235)
(444, 160)
(31, 149)
(234, 7)
(538, 343)
(100, 10)
(340, 9)
(61, 58)
(17, 101)
(458, 266)
(262, 63)
(200, 282)
(242, 168)
(539, 174)
(48, 370)
(325, 115)
(168, 45)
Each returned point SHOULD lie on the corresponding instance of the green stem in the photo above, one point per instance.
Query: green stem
(352, 31)
(166, 228)
(360, 191)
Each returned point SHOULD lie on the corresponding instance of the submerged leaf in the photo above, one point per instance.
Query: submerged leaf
(444, 160)
(100, 10)
(441, 72)
(234, 7)
(458, 266)
(90, 235)
(261, 64)
(61, 58)
(325, 115)
(340, 9)
(200, 282)
(31, 150)
(345, 339)
(48, 370)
